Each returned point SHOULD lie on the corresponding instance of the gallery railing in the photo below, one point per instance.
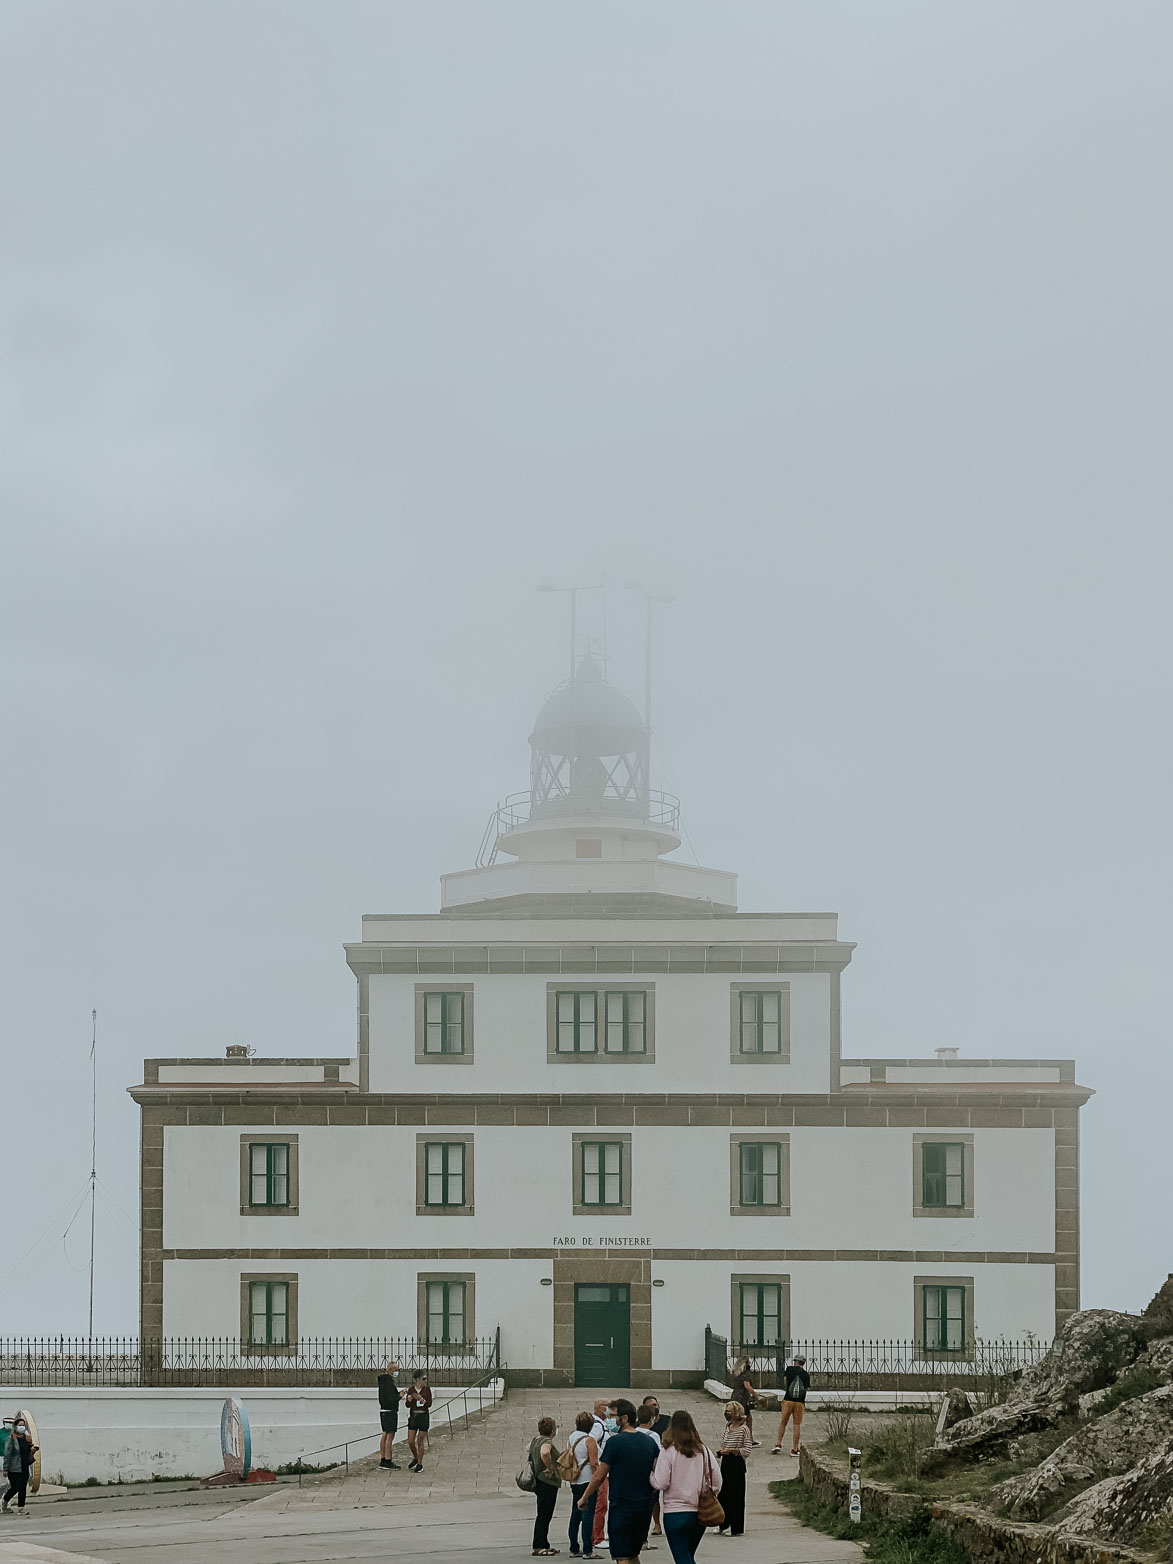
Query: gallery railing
(348, 1360)
(875, 1365)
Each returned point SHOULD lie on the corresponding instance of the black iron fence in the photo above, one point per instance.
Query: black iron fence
(873, 1365)
(194, 1361)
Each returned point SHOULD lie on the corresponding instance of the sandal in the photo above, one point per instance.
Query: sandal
(544, 1553)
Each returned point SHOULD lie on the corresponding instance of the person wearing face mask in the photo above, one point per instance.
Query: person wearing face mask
(733, 1454)
(606, 1427)
(18, 1463)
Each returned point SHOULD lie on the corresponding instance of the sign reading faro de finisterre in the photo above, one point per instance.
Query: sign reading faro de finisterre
(602, 1243)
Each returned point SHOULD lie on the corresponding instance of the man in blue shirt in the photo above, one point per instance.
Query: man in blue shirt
(626, 1466)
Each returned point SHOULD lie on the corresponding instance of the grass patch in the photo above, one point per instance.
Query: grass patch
(901, 1451)
(1156, 1539)
(910, 1540)
(1137, 1382)
(188, 1477)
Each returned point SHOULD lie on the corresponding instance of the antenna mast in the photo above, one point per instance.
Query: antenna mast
(93, 1156)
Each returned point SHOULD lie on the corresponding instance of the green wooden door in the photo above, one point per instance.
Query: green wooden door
(602, 1335)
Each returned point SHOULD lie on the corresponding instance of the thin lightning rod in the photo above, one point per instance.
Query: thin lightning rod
(93, 1154)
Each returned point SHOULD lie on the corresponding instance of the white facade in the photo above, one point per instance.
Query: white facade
(761, 1184)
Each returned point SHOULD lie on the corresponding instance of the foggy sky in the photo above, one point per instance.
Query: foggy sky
(328, 329)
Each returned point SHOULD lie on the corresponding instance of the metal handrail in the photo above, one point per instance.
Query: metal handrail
(485, 1379)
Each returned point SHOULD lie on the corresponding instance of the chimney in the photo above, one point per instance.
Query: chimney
(237, 1051)
(946, 1053)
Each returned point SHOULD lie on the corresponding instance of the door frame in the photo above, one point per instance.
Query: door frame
(603, 1268)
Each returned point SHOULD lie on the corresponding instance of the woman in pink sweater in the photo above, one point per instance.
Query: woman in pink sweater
(683, 1467)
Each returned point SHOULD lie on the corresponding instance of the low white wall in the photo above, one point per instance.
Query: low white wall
(864, 1400)
(136, 1434)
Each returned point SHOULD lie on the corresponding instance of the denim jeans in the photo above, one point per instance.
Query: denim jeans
(684, 1532)
(582, 1522)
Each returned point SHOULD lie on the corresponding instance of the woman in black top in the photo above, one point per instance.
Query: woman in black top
(744, 1393)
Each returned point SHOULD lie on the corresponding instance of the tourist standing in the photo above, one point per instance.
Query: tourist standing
(796, 1382)
(626, 1467)
(684, 1469)
(419, 1418)
(18, 1463)
(733, 1454)
(647, 1419)
(661, 1419)
(543, 1461)
(389, 1399)
(607, 1426)
(744, 1393)
(585, 1446)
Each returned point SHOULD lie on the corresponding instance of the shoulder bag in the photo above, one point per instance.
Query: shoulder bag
(708, 1510)
(526, 1478)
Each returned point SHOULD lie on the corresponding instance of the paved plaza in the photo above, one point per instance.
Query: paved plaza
(465, 1502)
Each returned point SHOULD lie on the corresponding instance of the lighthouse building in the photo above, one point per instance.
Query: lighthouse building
(594, 1103)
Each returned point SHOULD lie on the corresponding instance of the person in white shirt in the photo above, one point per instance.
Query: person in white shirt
(584, 1442)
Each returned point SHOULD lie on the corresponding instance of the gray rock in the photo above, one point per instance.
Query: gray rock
(955, 1408)
(1158, 1356)
(1091, 1350)
(1119, 1507)
(1158, 1317)
(1105, 1447)
(1094, 1398)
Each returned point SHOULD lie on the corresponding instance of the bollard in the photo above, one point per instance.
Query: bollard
(854, 1483)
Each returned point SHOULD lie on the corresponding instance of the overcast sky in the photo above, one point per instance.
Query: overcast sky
(328, 329)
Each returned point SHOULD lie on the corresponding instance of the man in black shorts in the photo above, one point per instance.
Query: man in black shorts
(388, 1415)
(626, 1465)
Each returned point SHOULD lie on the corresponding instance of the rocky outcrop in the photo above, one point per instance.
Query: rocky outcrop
(1091, 1351)
(1120, 1507)
(1158, 1317)
(1104, 1447)
(955, 1408)
(1158, 1356)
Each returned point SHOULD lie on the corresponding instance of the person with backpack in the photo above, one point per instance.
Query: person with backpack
(577, 1464)
(796, 1382)
(543, 1464)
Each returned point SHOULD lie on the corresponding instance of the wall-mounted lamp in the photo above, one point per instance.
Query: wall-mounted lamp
(547, 1281)
(658, 1281)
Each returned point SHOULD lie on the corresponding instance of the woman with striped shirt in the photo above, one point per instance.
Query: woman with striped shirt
(733, 1454)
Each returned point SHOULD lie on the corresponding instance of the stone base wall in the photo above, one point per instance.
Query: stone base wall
(646, 1379)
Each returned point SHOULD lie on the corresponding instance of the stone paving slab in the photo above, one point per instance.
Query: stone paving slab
(31, 1553)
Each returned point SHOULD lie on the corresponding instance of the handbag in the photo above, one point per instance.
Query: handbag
(708, 1509)
(526, 1479)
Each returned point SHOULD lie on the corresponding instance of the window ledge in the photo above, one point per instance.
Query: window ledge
(268, 1211)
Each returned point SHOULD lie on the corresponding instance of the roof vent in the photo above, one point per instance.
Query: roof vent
(238, 1051)
(946, 1053)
